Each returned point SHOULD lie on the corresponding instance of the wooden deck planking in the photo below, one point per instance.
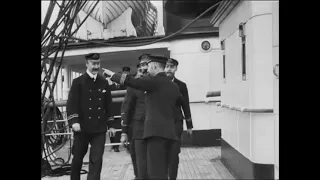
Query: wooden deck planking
(195, 163)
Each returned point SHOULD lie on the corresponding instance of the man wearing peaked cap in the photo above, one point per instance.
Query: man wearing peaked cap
(89, 115)
(158, 59)
(161, 97)
(171, 68)
(133, 112)
(133, 117)
(173, 62)
(117, 110)
(144, 56)
(92, 56)
(116, 106)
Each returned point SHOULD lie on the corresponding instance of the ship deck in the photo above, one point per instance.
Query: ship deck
(195, 163)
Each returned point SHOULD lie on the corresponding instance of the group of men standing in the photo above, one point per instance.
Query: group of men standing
(151, 111)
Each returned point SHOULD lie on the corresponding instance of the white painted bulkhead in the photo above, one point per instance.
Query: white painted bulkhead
(252, 134)
(202, 72)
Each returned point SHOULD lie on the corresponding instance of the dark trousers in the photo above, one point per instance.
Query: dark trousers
(174, 159)
(159, 151)
(79, 150)
(133, 157)
(132, 152)
(116, 139)
(130, 139)
(141, 158)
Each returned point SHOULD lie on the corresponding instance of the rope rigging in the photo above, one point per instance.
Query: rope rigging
(53, 43)
(65, 19)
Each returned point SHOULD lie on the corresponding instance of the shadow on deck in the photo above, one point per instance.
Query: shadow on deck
(195, 163)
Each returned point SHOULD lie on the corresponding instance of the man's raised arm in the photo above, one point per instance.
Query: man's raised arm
(144, 84)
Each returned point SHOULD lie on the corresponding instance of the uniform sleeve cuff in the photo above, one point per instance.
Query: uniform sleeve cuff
(189, 124)
(73, 118)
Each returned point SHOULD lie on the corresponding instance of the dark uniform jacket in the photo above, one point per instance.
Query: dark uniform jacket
(116, 109)
(186, 107)
(89, 104)
(162, 96)
(133, 112)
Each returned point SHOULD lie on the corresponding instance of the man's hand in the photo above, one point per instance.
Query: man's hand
(76, 127)
(189, 132)
(111, 132)
(107, 72)
(124, 139)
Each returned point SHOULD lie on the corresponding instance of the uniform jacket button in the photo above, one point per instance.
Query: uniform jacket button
(90, 90)
(100, 99)
(89, 117)
(90, 99)
(98, 117)
(89, 108)
(99, 108)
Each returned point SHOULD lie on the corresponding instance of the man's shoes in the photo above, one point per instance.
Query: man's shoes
(116, 150)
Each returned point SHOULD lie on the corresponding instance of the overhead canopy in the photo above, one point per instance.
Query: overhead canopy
(190, 9)
(113, 60)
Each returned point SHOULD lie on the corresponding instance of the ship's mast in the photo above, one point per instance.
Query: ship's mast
(60, 22)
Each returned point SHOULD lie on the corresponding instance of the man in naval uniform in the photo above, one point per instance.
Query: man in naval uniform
(171, 68)
(125, 70)
(115, 111)
(161, 97)
(88, 109)
(133, 115)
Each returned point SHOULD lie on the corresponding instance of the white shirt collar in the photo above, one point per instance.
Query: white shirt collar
(91, 75)
(172, 79)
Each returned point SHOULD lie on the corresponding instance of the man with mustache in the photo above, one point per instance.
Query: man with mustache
(161, 98)
(133, 115)
(171, 68)
(88, 109)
